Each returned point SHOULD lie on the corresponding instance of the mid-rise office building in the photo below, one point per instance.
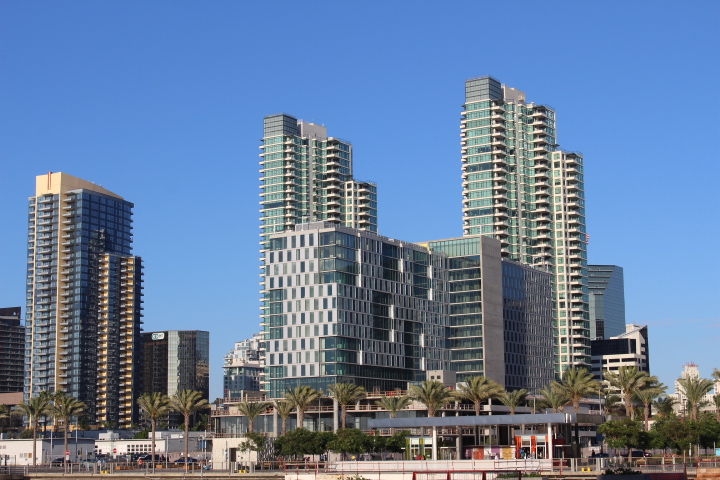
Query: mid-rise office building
(521, 189)
(347, 305)
(84, 290)
(629, 349)
(12, 350)
(499, 314)
(176, 360)
(607, 301)
(242, 370)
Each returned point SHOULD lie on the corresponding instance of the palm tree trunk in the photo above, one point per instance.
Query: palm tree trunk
(152, 427)
(300, 417)
(65, 434)
(343, 413)
(34, 424)
(647, 417)
(284, 426)
(187, 432)
(628, 408)
(477, 408)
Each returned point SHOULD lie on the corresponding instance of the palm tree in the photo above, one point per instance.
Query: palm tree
(610, 402)
(283, 408)
(155, 405)
(64, 408)
(664, 406)
(554, 397)
(301, 398)
(628, 381)
(478, 390)
(35, 408)
(433, 394)
(716, 374)
(346, 394)
(187, 402)
(694, 389)
(578, 383)
(393, 405)
(513, 399)
(252, 410)
(716, 401)
(646, 396)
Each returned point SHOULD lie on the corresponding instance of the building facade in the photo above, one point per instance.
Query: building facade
(499, 314)
(242, 369)
(12, 350)
(84, 298)
(176, 360)
(347, 305)
(629, 349)
(521, 189)
(607, 301)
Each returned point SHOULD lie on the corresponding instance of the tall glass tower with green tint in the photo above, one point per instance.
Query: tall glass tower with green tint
(521, 189)
(307, 176)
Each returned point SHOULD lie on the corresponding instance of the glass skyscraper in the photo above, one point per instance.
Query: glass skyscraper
(12, 350)
(607, 301)
(521, 189)
(307, 176)
(176, 360)
(84, 290)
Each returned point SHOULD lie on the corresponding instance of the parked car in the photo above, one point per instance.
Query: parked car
(601, 455)
(58, 461)
(639, 454)
(149, 458)
(88, 463)
(181, 460)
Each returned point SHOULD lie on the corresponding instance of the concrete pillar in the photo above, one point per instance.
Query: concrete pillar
(276, 417)
(434, 443)
(550, 442)
(458, 446)
(335, 416)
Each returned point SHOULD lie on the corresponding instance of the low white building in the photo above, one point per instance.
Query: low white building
(19, 451)
(169, 444)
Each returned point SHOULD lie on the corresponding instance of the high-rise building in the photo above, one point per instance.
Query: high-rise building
(347, 305)
(607, 301)
(176, 360)
(500, 315)
(242, 370)
(84, 290)
(629, 349)
(12, 350)
(521, 189)
(307, 176)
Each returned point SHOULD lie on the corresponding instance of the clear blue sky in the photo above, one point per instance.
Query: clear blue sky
(162, 102)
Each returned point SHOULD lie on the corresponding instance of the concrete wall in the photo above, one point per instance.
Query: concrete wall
(492, 310)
